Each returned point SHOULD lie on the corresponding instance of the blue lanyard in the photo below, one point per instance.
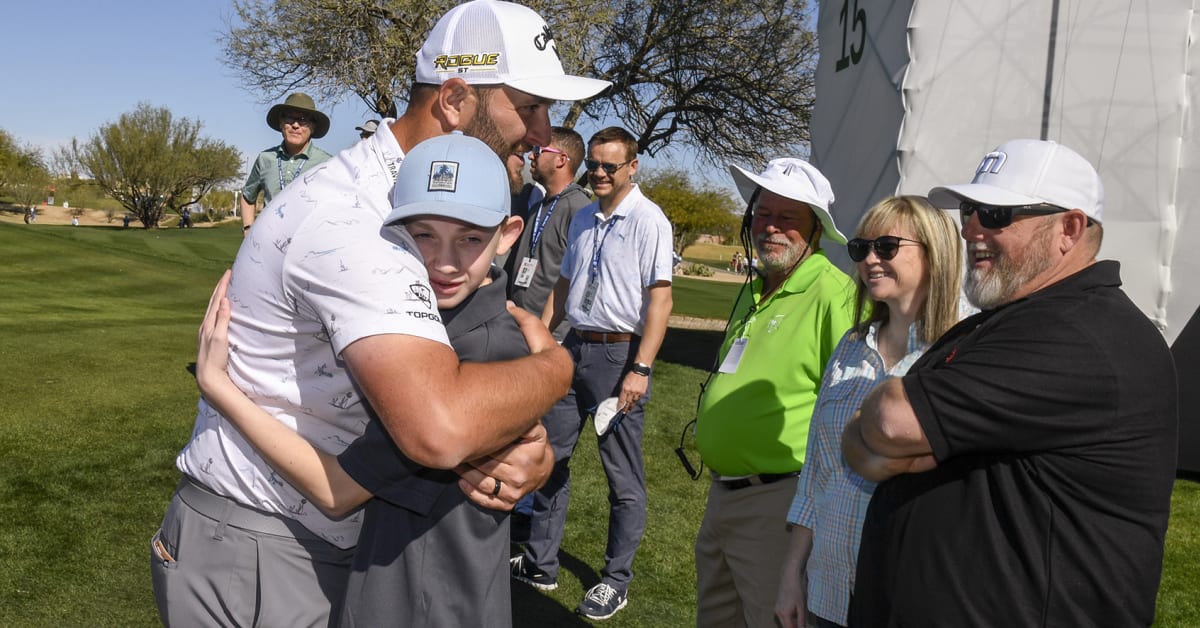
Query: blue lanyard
(279, 167)
(598, 244)
(539, 225)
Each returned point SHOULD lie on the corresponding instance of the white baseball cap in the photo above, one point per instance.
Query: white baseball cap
(489, 42)
(795, 179)
(453, 176)
(1029, 172)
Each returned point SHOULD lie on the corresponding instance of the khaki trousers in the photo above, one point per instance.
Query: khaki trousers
(739, 554)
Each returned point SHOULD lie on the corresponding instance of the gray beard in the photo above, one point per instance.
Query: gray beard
(778, 262)
(989, 289)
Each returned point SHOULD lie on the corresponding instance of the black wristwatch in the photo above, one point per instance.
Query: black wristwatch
(640, 369)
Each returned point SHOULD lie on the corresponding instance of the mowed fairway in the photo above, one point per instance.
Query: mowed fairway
(97, 330)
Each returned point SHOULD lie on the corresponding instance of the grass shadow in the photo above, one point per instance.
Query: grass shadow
(581, 570)
(532, 607)
(691, 347)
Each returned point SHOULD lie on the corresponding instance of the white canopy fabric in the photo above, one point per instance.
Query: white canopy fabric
(911, 94)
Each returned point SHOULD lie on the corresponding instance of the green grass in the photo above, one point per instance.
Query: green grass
(97, 329)
(702, 298)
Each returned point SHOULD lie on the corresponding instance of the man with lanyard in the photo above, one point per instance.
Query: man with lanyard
(615, 290)
(298, 120)
(533, 266)
(752, 423)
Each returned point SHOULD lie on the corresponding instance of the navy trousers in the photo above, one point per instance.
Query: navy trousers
(599, 371)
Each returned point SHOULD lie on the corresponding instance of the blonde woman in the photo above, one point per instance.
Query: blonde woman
(908, 259)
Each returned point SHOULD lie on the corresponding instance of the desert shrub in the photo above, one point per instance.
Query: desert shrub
(693, 269)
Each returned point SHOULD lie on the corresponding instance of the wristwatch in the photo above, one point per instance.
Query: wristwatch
(640, 369)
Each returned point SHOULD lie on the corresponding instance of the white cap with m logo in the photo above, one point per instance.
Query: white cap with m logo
(1030, 172)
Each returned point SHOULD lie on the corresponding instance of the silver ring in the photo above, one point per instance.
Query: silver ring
(496, 491)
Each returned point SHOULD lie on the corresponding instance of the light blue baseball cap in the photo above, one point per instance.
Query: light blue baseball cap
(453, 176)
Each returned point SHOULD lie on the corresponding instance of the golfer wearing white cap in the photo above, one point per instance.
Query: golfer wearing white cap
(334, 324)
(752, 425)
(1031, 451)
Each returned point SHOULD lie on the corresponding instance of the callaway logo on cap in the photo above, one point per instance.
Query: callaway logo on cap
(488, 42)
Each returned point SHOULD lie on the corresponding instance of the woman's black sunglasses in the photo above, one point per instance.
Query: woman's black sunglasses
(998, 217)
(886, 247)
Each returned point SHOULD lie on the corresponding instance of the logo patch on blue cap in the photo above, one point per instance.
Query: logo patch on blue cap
(443, 176)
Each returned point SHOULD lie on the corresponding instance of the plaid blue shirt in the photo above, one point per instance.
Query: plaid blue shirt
(831, 499)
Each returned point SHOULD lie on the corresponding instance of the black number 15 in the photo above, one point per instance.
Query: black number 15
(853, 20)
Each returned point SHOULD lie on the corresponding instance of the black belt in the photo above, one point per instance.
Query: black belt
(755, 480)
(603, 336)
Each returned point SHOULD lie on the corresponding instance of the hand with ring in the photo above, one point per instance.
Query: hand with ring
(498, 481)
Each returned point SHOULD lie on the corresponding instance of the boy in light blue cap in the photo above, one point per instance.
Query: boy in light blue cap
(426, 555)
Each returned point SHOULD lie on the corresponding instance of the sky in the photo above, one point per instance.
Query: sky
(68, 67)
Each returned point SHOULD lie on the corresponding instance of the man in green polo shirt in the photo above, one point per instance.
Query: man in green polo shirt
(299, 122)
(752, 426)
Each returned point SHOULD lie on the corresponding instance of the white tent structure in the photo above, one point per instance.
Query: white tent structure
(912, 93)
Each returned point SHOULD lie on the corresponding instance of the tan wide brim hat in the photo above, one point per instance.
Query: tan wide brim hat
(304, 103)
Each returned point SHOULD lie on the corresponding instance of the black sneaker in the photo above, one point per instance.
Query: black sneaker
(601, 602)
(531, 575)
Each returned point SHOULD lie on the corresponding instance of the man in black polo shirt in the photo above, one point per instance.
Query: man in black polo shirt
(1032, 449)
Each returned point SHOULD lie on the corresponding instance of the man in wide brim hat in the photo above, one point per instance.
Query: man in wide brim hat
(753, 418)
(298, 121)
(301, 103)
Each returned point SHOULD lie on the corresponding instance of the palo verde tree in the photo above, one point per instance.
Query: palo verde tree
(151, 162)
(692, 209)
(731, 79)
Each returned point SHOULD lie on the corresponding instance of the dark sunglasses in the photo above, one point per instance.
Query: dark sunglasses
(294, 118)
(997, 217)
(538, 150)
(592, 164)
(886, 247)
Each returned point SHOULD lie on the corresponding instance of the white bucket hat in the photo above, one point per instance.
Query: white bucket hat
(1029, 172)
(795, 179)
(488, 42)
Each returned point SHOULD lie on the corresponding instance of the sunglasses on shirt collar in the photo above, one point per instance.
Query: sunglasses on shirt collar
(886, 247)
(998, 217)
